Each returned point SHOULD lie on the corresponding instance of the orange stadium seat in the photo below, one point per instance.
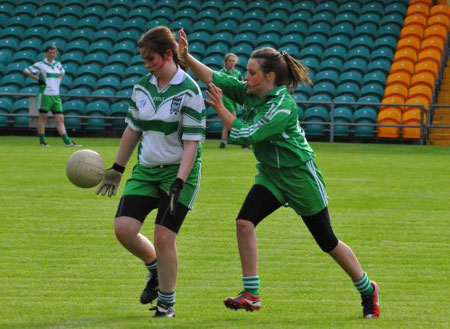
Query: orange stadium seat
(406, 55)
(425, 78)
(436, 31)
(392, 100)
(419, 8)
(409, 42)
(441, 20)
(421, 90)
(396, 89)
(430, 54)
(433, 43)
(402, 66)
(427, 66)
(403, 78)
(414, 30)
(440, 9)
(411, 117)
(418, 100)
(389, 116)
(416, 19)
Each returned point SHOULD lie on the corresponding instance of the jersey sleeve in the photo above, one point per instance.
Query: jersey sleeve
(132, 115)
(33, 68)
(193, 122)
(231, 87)
(273, 121)
(61, 68)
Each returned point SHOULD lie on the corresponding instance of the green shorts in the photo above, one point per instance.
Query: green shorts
(46, 103)
(146, 182)
(301, 188)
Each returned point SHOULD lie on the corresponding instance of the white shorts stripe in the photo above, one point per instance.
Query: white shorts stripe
(321, 187)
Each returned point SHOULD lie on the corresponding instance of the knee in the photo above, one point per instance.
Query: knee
(244, 226)
(164, 240)
(123, 233)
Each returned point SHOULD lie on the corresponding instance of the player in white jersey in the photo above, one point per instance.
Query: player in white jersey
(167, 118)
(49, 73)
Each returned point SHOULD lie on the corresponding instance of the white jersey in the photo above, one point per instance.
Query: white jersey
(50, 73)
(166, 117)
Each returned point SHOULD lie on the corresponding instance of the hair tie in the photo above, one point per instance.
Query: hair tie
(284, 54)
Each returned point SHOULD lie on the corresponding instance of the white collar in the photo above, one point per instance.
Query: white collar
(177, 79)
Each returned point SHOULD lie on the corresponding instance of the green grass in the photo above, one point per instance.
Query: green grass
(61, 266)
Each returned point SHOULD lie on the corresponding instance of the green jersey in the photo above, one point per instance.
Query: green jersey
(269, 123)
(228, 103)
(166, 117)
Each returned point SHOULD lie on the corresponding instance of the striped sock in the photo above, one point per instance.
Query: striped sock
(152, 266)
(363, 285)
(251, 283)
(166, 298)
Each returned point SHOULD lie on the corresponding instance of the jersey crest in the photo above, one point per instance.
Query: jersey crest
(175, 106)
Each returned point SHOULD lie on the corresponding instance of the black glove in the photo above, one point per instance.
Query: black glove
(41, 81)
(174, 194)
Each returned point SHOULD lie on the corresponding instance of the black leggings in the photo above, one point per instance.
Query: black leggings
(260, 203)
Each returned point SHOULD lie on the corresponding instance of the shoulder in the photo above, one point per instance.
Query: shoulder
(283, 99)
(190, 84)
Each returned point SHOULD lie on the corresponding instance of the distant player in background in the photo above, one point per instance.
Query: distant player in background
(167, 118)
(287, 171)
(49, 73)
(230, 61)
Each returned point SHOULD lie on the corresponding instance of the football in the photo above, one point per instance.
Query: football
(85, 168)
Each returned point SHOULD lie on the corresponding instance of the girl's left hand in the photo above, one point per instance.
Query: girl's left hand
(216, 97)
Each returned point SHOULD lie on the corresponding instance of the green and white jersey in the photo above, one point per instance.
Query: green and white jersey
(269, 123)
(50, 73)
(166, 117)
(228, 103)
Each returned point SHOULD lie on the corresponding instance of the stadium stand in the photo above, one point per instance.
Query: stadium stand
(374, 52)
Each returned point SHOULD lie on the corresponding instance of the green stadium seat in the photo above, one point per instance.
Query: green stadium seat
(300, 16)
(101, 46)
(314, 116)
(6, 8)
(327, 76)
(324, 16)
(59, 43)
(282, 6)
(120, 58)
(374, 18)
(78, 45)
(320, 98)
(25, 9)
(50, 9)
(231, 5)
(339, 40)
(341, 114)
(21, 107)
(291, 39)
(200, 36)
(372, 90)
(96, 58)
(66, 82)
(25, 55)
(246, 37)
(74, 10)
(135, 71)
(315, 40)
(106, 34)
(145, 3)
(10, 44)
(113, 70)
(85, 81)
(393, 18)
(344, 28)
(292, 49)
(332, 63)
(120, 111)
(382, 53)
(97, 109)
(311, 62)
(365, 115)
(126, 46)
(94, 11)
(135, 23)
(324, 88)
(268, 39)
(182, 23)
(396, 7)
(73, 107)
(30, 90)
(320, 28)
(126, 4)
(14, 79)
(60, 32)
(207, 25)
(98, 3)
(373, 7)
(355, 77)
(124, 93)
(228, 26)
(366, 29)
(65, 22)
(120, 12)
(164, 12)
(346, 98)
(84, 33)
(88, 22)
(348, 88)
(215, 62)
(380, 64)
(296, 28)
(212, 4)
(129, 82)
(346, 17)
(352, 7)
(260, 5)
(391, 30)
(376, 77)
(91, 69)
(234, 14)
(73, 56)
(386, 41)
(335, 51)
(197, 49)
(358, 52)
(44, 20)
(114, 23)
(326, 6)
(16, 67)
(370, 99)
(109, 82)
(277, 16)
(255, 14)
(308, 5)
(300, 98)
(104, 92)
(132, 35)
(312, 51)
(140, 12)
(304, 89)
(13, 33)
(363, 41)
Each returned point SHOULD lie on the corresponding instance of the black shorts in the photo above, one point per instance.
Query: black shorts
(138, 207)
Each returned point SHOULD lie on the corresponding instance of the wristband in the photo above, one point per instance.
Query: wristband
(179, 181)
(118, 167)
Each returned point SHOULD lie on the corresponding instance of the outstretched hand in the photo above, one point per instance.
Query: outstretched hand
(183, 44)
(216, 97)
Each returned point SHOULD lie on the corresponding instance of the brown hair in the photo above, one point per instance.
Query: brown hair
(288, 71)
(51, 47)
(160, 39)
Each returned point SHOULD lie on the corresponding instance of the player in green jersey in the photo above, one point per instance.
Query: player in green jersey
(230, 61)
(167, 118)
(49, 73)
(287, 173)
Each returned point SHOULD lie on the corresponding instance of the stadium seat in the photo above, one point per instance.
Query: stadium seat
(440, 20)
(403, 78)
(13, 32)
(135, 71)
(94, 11)
(434, 43)
(73, 108)
(344, 28)
(372, 90)
(104, 46)
(366, 41)
(427, 65)
(389, 30)
(71, 10)
(332, 63)
(308, 5)
(96, 57)
(136, 23)
(120, 12)
(300, 16)
(326, 6)
(389, 116)
(327, 76)
(348, 88)
(109, 82)
(412, 117)
(396, 7)
(320, 28)
(114, 23)
(85, 81)
(365, 115)
(314, 116)
(21, 107)
(84, 33)
(425, 78)
(120, 111)
(113, 70)
(393, 18)
(268, 40)
(90, 69)
(397, 90)
(375, 77)
(382, 65)
(106, 34)
(234, 14)
(15, 79)
(324, 87)
(341, 114)
(204, 25)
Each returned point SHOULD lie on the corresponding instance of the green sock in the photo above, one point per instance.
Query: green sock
(251, 283)
(166, 298)
(363, 285)
(66, 139)
(42, 138)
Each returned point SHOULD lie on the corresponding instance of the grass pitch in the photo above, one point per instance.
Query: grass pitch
(61, 266)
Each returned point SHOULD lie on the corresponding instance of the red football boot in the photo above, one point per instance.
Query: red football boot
(245, 300)
(371, 304)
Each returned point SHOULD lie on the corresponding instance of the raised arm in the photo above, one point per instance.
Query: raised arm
(203, 72)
